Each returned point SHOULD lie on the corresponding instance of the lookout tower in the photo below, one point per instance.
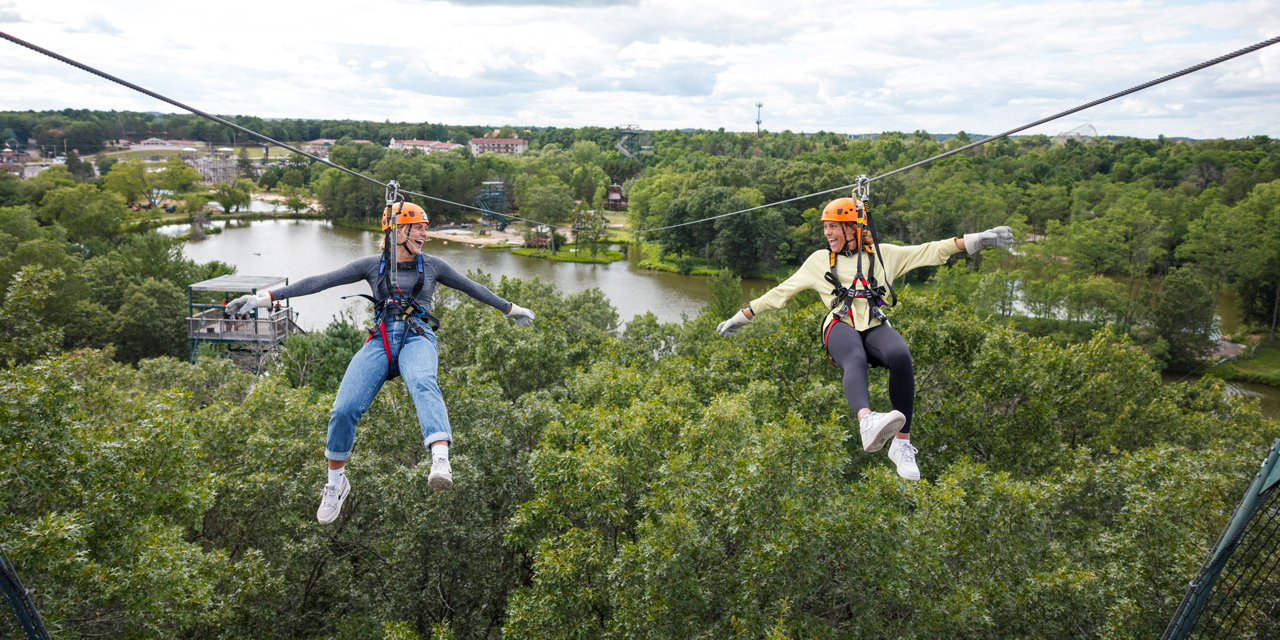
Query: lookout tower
(207, 320)
(493, 203)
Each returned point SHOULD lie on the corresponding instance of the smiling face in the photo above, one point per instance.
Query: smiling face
(409, 240)
(838, 232)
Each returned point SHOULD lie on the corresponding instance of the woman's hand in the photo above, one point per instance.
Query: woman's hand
(731, 326)
(249, 302)
(521, 315)
(999, 237)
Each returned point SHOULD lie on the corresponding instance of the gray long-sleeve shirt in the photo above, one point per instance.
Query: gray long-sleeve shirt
(433, 270)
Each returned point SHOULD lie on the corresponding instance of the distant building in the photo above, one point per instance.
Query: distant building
(153, 142)
(13, 161)
(425, 146)
(498, 145)
(320, 146)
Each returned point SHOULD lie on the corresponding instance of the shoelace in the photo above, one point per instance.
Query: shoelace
(329, 496)
(907, 453)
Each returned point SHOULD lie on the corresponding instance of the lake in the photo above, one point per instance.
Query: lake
(299, 248)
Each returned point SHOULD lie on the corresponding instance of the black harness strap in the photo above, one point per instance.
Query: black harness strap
(871, 291)
(405, 307)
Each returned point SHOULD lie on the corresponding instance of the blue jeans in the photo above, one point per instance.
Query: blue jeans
(417, 359)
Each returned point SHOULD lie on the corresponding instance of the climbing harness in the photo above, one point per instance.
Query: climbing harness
(391, 301)
(871, 290)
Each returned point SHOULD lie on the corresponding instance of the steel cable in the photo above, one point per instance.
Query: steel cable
(222, 121)
(1145, 85)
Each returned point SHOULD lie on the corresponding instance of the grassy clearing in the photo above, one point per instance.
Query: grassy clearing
(696, 266)
(570, 254)
(1263, 367)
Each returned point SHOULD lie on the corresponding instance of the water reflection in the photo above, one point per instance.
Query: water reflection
(301, 248)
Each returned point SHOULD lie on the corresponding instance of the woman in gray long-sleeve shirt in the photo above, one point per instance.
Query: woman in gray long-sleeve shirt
(402, 342)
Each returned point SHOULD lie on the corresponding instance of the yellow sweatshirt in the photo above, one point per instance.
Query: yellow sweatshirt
(812, 275)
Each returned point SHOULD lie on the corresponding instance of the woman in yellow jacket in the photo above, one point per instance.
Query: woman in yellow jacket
(854, 276)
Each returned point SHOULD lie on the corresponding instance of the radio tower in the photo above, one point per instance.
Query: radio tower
(758, 105)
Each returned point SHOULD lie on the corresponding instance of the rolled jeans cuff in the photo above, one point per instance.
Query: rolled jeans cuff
(336, 456)
(437, 437)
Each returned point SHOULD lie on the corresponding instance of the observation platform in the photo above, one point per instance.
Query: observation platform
(208, 321)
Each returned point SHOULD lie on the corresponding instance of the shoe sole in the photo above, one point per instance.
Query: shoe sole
(341, 499)
(440, 483)
(886, 433)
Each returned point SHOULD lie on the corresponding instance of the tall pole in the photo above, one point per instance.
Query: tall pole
(758, 105)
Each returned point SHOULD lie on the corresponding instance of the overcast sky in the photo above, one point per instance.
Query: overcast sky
(850, 67)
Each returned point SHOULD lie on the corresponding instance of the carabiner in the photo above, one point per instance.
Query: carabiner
(392, 193)
(862, 187)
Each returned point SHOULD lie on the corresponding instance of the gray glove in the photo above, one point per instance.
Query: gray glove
(521, 315)
(731, 326)
(249, 302)
(999, 237)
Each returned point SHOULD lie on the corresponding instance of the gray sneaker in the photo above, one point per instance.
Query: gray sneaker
(904, 455)
(878, 428)
(441, 476)
(331, 498)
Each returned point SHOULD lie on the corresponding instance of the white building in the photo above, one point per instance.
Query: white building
(498, 145)
(425, 146)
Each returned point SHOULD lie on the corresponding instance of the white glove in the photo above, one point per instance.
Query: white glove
(521, 315)
(731, 326)
(249, 302)
(999, 237)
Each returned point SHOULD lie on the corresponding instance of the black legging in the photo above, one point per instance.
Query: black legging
(850, 349)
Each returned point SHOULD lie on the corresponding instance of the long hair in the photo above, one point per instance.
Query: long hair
(851, 230)
(382, 242)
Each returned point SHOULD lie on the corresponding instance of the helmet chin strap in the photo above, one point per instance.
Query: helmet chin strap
(844, 231)
(405, 243)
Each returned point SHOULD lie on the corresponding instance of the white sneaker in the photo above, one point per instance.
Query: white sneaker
(441, 476)
(904, 455)
(878, 428)
(331, 498)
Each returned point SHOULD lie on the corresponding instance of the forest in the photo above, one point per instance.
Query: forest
(626, 478)
(1101, 225)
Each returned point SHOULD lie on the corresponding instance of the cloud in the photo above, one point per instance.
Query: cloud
(9, 13)
(420, 76)
(678, 79)
(95, 23)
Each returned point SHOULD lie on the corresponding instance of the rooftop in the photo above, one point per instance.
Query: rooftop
(240, 284)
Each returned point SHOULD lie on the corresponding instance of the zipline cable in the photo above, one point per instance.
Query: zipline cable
(1145, 85)
(221, 121)
(224, 122)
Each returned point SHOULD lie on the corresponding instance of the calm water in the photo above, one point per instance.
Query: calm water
(296, 249)
(299, 248)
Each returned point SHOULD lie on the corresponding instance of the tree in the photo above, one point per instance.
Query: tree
(725, 294)
(269, 180)
(85, 212)
(230, 196)
(151, 322)
(245, 165)
(1182, 316)
(176, 177)
(80, 170)
(293, 178)
(25, 334)
(549, 204)
(1258, 281)
(129, 179)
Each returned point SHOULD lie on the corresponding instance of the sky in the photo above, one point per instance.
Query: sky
(848, 67)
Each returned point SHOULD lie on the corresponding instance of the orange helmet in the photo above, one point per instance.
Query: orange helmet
(404, 213)
(845, 210)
